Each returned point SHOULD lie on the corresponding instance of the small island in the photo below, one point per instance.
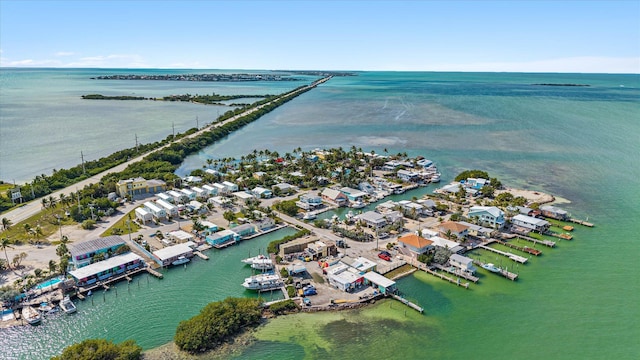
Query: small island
(200, 77)
(552, 84)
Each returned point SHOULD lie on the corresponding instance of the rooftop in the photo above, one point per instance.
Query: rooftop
(172, 251)
(100, 266)
(95, 245)
(415, 241)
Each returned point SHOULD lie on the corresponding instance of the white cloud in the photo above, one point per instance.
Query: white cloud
(583, 64)
(4, 62)
(65, 53)
(113, 60)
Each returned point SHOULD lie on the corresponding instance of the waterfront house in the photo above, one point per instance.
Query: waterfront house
(450, 245)
(309, 202)
(452, 228)
(190, 195)
(166, 197)
(409, 207)
(244, 230)
(415, 243)
(83, 253)
(139, 186)
(380, 283)
(103, 270)
(192, 179)
(209, 227)
(334, 197)
(231, 187)
(353, 194)
(372, 219)
(262, 192)
(171, 253)
(366, 187)
(178, 197)
(554, 212)
(265, 223)
(171, 209)
(487, 216)
(211, 191)
(476, 183)
(408, 176)
(386, 206)
(222, 237)
(450, 188)
(158, 212)
(462, 262)
(478, 231)
(530, 223)
(143, 215)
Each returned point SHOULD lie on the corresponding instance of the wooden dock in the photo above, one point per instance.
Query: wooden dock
(154, 273)
(225, 244)
(536, 241)
(408, 303)
(509, 275)
(516, 258)
(581, 222)
(201, 255)
(526, 249)
(560, 236)
(458, 272)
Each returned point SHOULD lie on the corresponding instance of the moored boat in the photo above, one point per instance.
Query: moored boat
(310, 215)
(262, 264)
(262, 282)
(251, 260)
(67, 305)
(491, 267)
(181, 260)
(357, 204)
(32, 315)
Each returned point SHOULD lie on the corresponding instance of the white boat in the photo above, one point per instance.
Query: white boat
(435, 178)
(309, 215)
(262, 264)
(357, 204)
(262, 282)
(67, 305)
(491, 267)
(32, 315)
(181, 260)
(251, 260)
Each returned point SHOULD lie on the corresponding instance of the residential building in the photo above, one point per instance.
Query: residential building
(487, 216)
(262, 192)
(530, 223)
(554, 212)
(211, 191)
(166, 197)
(452, 228)
(178, 197)
(209, 227)
(221, 189)
(379, 282)
(353, 194)
(415, 243)
(200, 193)
(191, 195)
(372, 219)
(222, 237)
(265, 223)
(478, 231)
(244, 230)
(462, 262)
(452, 246)
(334, 197)
(197, 207)
(284, 188)
(180, 236)
(158, 212)
(219, 201)
(476, 183)
(243, 196)
(309, 202)
(170, 254)
(171, 209)
(143, 215)
(361, 264)
(102, 270)
(408, 176)
(231, 187)
(139, 186)
(83, 253)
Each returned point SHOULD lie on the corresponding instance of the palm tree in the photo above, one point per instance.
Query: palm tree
(4, 244)
(27, 228)
(52, 266)
(44, 202)
(6, 224)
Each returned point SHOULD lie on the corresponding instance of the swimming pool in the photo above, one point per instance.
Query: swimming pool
(49, 282)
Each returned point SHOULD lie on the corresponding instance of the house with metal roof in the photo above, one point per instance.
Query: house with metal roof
(231, 187)
(171, 253)
(82, 253)
(102, 270)
(158, 212)
(487, 216)
(171, 209)
(554, 212)
(530, 223)
(379, 282)
(143, 215)
(211, 191)
(222, 237)
(334, 197)
(353, 194)
(462, 262)
(372, 219)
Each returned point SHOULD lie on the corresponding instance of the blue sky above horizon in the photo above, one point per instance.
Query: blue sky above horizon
(522, 36)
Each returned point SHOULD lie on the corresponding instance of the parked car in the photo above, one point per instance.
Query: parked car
(306, 301)
(384, 256)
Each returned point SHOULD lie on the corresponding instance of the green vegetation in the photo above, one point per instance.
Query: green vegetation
(472, 174)
(291, 291)
(283, 306)
(101, 349)
(210, 99)
(274, 246)
(399, 271)
(126, 225)
(103, 97)
(217, 322)
(288, 207)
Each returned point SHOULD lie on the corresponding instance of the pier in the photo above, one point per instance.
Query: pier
(458, 272)
(408, 303)
(154, 273)
(560, 236)
(509, 275)
(201, 255)
(426, 269)
(516, 258)
(523, 249)
(546, 243)
(581, 222)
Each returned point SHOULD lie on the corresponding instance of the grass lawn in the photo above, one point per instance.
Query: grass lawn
(123, 225)
(401, 270)
(46, 220)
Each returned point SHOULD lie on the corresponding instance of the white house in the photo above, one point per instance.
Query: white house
(165, 197)
(372, 219)
(221, 189)
(408, 176)
(180, 236)
(212, 191)
(158, 212)
(531, 223)
(231, 187)
(171, 209)
(219, 201)
(178, 197)
(462, 262)
(262, 192)
(200, 193)
(487, 216)
(191, 195)
(143, 215)
(243, 196)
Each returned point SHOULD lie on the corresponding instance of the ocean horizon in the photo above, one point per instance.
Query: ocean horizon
(579, 143)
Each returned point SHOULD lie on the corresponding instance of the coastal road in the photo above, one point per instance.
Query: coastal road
(29, 209)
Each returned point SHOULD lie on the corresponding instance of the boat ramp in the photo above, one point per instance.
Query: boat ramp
(516, 258)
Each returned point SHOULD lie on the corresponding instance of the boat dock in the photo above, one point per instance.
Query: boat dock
(560, 236)
(201, 255)
(516, 258)
(154, 273)
(458, 272)
(536, 241)
(509, 275)
(426, 269)
(408, 303)
(581, 222)
(523, 249)
(224, 244)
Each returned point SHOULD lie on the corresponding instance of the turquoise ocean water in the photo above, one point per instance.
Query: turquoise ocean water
(582, 144)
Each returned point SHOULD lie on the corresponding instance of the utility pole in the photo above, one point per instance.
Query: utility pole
(197, 126)
(173, 129)
(136, 142)
(84, 171)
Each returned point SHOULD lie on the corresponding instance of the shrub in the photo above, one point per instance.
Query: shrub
(102, 349)
(283, 306)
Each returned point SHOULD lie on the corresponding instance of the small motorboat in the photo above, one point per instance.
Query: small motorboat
(491, 267)
(67, 305)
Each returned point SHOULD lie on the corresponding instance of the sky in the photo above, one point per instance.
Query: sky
(505, 36)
